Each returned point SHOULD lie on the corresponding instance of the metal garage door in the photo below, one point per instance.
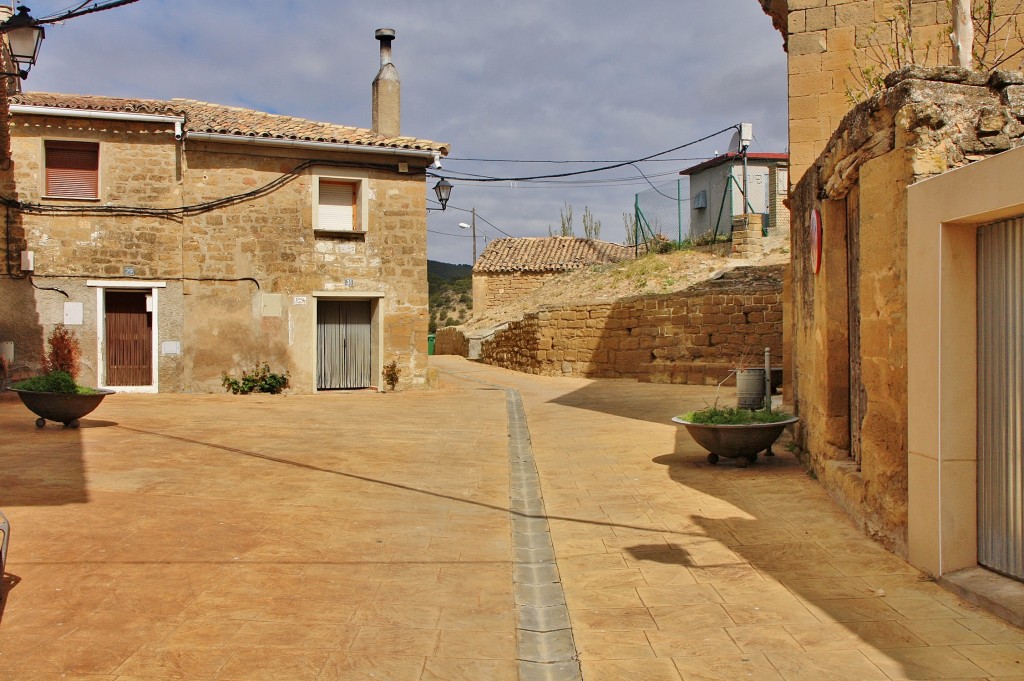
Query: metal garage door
(343, 344)
(1001, 397)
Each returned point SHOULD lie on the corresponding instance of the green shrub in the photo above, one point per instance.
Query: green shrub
(731, 416)
(56, 382)
(261, 380)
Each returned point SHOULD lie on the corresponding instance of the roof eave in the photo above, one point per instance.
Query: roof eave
(308, 144)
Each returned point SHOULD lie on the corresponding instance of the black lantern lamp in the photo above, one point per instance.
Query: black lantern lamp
(24, 38)
(443, 189)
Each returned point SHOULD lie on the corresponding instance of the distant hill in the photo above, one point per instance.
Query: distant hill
(451, 293)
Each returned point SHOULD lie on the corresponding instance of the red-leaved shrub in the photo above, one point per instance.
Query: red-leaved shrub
(64, 351)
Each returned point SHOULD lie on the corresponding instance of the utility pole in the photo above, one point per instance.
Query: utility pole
(472, 226)
(473, 223)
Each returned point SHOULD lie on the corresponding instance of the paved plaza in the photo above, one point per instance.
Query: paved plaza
(502, 527)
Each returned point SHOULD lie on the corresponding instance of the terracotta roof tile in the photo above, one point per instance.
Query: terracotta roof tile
(548, 254)
(231, 120)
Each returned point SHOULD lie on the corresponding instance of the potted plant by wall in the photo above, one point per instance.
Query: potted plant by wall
(390, 374)
(55, 395)
(735, 433)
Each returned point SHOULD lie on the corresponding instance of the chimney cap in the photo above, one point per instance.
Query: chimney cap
(384, 34)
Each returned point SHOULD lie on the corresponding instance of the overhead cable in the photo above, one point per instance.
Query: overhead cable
(592, 170)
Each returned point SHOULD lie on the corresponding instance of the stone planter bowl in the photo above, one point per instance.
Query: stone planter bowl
(741, 442)
(64, 408)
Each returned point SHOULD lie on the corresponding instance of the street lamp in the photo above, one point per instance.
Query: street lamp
(24, 38)
(463, 225)
(443, 189)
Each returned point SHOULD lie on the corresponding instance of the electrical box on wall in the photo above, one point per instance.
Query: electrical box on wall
(74, 313)
(28, 261)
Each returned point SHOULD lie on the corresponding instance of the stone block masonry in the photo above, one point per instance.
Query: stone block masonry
(698, 336)
(831, 42)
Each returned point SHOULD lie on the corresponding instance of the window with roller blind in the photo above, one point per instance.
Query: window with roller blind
(72, 169)
(337, 203)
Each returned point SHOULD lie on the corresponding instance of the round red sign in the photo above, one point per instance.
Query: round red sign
(815, 240)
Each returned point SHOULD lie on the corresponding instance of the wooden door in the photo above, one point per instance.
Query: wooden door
(128, 339)
(858, 396)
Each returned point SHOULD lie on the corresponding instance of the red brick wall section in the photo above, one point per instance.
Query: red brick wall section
(698, 336)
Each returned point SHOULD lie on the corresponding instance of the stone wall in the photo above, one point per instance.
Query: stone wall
(242, 278)
(853, 405)
(698, 336)
(496, 289)
(749, 239)
(829, 42)
(451, 341)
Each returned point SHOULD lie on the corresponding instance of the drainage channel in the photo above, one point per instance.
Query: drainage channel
(545, 646)
(546, 649)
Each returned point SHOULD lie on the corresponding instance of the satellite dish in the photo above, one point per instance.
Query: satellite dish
(734, 143)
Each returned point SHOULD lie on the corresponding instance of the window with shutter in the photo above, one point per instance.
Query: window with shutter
(336, 212)
(72, 169)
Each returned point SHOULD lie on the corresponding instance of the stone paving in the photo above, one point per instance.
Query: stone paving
(367, 536)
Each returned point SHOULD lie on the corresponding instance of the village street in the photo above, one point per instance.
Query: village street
(400, 536)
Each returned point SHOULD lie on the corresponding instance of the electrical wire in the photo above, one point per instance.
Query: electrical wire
(79, 11)
(479, 217)
(519, 160)
(592, 170)
(184, 211)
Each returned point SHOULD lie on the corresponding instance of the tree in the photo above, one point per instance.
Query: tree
(591, 227)
(629, 223)
(566, 214)
(994, 40)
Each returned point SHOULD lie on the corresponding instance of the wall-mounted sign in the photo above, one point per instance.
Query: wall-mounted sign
(299, 300)
(129, 271)
(349, 283)
(815, 240)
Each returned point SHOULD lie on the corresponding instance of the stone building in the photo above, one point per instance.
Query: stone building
(903, 303)
(759, 221)
(182, 240)
(829, 44)
(510, 268)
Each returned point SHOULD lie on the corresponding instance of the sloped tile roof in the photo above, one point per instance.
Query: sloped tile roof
(548, 254)
(230, 120)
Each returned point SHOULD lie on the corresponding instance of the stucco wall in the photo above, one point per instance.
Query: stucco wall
(698, 336)
(219, 265)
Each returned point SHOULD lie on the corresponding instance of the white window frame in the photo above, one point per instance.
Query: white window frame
(361, 210)
(43, 168)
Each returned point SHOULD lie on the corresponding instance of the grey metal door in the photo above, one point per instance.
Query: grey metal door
(343, 344)
(1001, 397)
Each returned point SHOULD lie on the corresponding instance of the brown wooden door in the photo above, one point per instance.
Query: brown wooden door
(858, 396)
(129, 339)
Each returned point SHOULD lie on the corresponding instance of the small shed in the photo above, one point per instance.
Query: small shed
(511, 268)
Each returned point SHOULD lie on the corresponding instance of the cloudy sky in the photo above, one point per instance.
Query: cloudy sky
(531, 80)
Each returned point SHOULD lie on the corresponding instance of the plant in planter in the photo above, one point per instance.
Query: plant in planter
(735, 433)
(55, 395)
